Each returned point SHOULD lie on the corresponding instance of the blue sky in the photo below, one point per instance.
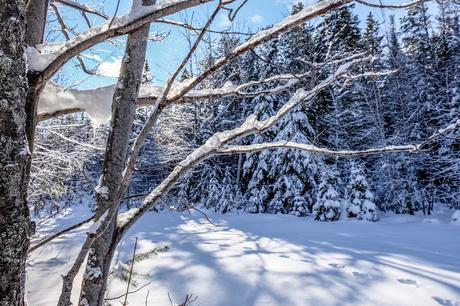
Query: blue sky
(164, 56)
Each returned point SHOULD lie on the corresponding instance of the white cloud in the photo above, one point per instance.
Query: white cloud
(110, 69)
(224, 22)
(257, 19)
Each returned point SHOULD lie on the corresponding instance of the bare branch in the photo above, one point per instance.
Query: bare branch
(81, 7)
(313, 149)
(46, 240)
(343, 153)
(130, 292)
(65, 31)
(198, 30)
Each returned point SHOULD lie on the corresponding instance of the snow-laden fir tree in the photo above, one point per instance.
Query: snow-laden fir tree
(328, 204)
(214, 192)
(360, 200)
(230, 196)
(295, 172)
(256, 181)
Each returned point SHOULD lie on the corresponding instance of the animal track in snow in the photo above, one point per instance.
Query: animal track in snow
(361, 275)
(445, 302)
(408, 282)
(337, 266)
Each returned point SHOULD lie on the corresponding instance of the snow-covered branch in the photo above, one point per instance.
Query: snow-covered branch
(56, 100)
(314, 149)
(264, 36)
(390, 6)
(49, 58)
(219, 140)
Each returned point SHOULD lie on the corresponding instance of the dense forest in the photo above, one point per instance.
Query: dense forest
(409, 90)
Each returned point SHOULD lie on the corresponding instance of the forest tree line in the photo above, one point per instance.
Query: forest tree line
(409, 90)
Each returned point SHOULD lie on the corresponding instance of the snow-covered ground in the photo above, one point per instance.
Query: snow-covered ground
(272, 260)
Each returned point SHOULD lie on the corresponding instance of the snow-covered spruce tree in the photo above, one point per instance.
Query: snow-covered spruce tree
(375, 126)
(359, 197)
(328, 201)
(417, 40)
(338, 108)
(295, 173)
(214, 192)
(389, 172)
(285, 180)
(230, 198)
(444, 157)
(257, 180)
(212, 116)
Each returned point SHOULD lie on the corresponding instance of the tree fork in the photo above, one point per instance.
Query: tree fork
(123, 113)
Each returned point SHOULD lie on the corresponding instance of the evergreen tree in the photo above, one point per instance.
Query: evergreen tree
(360, 198)
(230, 196)
(328, 202)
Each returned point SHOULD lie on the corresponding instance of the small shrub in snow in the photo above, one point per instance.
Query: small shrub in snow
(456, 217)
(360, 199)
(327, 206)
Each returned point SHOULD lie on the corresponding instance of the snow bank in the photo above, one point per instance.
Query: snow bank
(273, 260)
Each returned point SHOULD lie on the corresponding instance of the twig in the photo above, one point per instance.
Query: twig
(189, 299)
(82, 8)
(205, 215)
(131, 292)
(115, 14)
(130, 274)
(46, 240)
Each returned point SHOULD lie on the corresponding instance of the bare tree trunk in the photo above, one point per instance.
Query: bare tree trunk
(35, 20)
(123, 111)
(15, 224)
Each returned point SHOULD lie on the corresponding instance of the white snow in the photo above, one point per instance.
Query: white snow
(456, 217)
(102, 190)
(274, 260)
(95, 226)
(96, 102)
(110, 69)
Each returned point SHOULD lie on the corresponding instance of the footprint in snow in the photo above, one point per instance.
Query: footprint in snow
(408, 282)
(445, 302)
(362, 275)
(337, 266)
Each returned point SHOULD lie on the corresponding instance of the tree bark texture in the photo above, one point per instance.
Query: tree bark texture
(15, 223)
(123, 112)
